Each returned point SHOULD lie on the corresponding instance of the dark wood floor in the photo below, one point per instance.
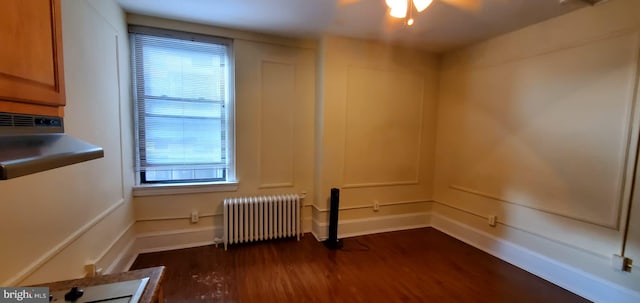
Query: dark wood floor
(421, 265)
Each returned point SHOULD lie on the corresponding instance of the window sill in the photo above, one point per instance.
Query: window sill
(184, 188)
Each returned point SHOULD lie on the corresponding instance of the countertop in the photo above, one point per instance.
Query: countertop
(152, 292)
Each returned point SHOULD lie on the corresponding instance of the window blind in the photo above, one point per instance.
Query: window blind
(182, 100)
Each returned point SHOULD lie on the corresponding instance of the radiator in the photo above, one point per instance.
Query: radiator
(259, 218)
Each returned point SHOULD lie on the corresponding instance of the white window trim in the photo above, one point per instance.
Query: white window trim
(183, 188)
(231, 185)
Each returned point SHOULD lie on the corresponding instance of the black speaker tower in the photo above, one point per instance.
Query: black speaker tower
(333, 242)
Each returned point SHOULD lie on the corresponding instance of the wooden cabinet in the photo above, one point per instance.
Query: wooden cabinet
(31, 61)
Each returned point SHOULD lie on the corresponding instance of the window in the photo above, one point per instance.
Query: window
(183, 96)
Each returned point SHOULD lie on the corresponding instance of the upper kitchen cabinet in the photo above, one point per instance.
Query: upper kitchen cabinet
(31, 63)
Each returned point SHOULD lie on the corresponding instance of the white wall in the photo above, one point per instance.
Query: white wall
(53, 223)
(539, 127)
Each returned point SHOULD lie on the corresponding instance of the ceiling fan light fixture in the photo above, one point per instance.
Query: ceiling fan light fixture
(398, 8)
(421, 5)
(398, 13)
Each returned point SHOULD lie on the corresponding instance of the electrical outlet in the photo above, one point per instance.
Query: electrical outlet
(195, 217)
(492, 220)
(376, 205)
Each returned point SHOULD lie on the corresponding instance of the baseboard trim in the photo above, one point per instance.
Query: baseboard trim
(175, 247)
(163, 241)
(575, 280)
(374, 225)
(307, 224)
(177, 239)
(121, 263)
(114, 245)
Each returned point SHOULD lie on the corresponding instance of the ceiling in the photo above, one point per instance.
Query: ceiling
(445, 25)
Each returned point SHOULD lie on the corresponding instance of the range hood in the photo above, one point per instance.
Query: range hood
(31, 144)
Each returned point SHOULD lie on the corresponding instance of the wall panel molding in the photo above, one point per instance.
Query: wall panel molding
(365, 206)
(360, 101)
(54, 251)
(529, 154)
(381, 184)
(540, 209)
(276, 185)
(276, 149)
(373, 225)
(500, 222)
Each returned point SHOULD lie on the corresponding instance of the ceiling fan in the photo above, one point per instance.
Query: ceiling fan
(400, 8)
(463, 4)
(403, 9)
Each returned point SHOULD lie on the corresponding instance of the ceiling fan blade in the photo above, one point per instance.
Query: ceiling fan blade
(468, 5)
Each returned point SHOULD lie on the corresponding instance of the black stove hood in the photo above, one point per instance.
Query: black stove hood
(31, 144)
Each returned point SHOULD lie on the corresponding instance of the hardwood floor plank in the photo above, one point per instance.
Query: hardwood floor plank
(420, 265)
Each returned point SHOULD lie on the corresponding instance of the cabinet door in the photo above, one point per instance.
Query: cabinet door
(31, 64)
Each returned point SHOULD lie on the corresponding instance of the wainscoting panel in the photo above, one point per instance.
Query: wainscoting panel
(278, 97)
(383, 127)
(551, 132)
